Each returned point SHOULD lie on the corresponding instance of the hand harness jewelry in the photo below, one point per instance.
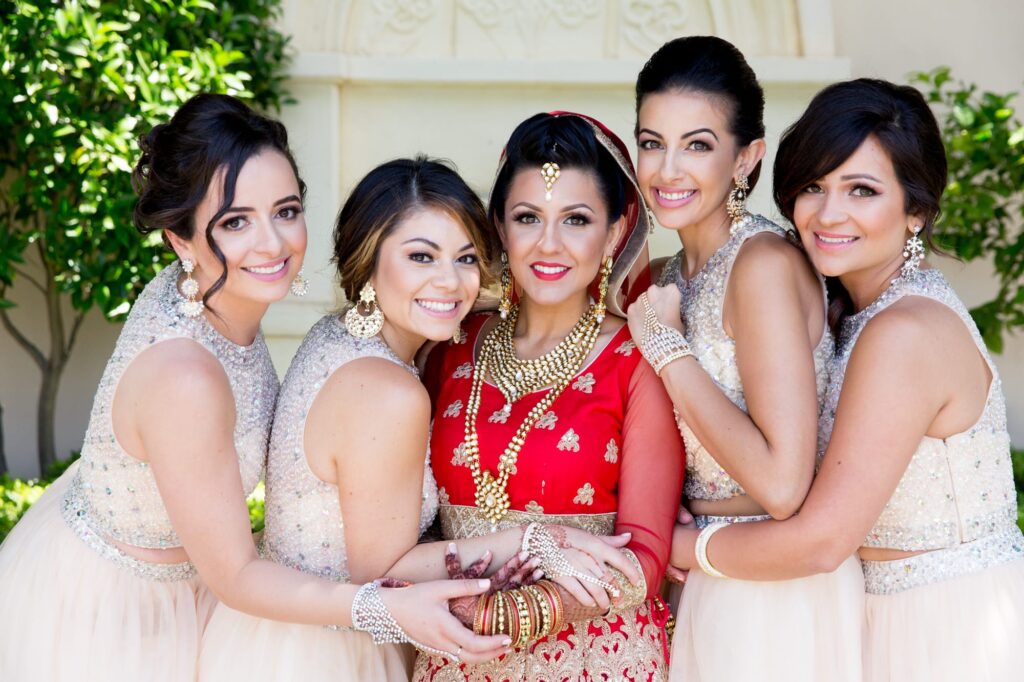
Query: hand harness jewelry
(660, 344)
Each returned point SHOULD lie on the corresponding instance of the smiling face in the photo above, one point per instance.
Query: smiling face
(687, 157)
(262, 235)
(853, 222)
(427, 278)
(555, 247)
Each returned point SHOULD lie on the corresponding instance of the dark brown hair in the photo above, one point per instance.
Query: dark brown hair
(568, 141)
(209, 134)
(385, 197)
(835, 124)
(713, 67)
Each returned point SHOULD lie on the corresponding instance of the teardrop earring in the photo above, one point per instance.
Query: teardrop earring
(300, 285)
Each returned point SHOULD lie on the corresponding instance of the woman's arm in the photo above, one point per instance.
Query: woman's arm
(651, 474)
(186, 433)
(769, 449)
(910, 365)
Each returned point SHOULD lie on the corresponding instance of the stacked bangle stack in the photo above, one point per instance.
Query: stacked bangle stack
(526, 614)
(660, 343)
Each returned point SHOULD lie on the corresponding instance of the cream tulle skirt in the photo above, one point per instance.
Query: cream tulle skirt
(805, 630)
(68, 614)
(969, 628)
(237, 646)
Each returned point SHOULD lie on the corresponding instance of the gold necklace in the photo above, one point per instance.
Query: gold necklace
(517, 378)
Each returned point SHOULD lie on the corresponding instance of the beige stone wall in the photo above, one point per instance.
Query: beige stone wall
(378, 79)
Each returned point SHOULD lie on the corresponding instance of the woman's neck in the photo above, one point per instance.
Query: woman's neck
(542, 327)
(237, 321)
(866, 285)
(402, 342)
(700, 240)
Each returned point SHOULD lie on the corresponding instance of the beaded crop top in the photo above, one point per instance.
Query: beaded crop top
(115, 495)
(703, 298)
(956, 489)
(304, 526)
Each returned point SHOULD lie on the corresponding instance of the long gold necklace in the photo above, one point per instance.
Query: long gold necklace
(515, 378)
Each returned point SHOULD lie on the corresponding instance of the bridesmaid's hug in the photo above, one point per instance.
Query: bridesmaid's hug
(523, 450)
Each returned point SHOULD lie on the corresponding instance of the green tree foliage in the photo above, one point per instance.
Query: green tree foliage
(79, 81)
(983, 208)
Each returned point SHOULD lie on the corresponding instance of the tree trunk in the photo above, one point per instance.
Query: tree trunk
(3, 454)
(45, 413)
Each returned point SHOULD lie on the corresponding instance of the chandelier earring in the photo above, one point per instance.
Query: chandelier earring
(600, 308)
(505, 304)
(192, 306)
(459, 337)
(913, 252)
(736, 205)
(300, 285)
(368, 321)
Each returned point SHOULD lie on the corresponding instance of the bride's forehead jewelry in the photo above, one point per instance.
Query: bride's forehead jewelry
(550, 172)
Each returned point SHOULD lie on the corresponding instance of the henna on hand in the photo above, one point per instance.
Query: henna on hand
(394, 582)
(500, 579)
(452, 562)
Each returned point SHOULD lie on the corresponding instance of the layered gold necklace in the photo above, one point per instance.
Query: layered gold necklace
(516, 377)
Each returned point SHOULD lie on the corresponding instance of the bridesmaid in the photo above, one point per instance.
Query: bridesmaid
(916, 469)
(349, 490)
(744, 318)
(111, 566)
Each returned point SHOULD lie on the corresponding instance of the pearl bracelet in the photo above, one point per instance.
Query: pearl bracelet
(370, 614)
(701, 550)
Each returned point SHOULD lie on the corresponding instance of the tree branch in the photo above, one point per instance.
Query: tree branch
(35, 282)
(23, 341)
(79, 318)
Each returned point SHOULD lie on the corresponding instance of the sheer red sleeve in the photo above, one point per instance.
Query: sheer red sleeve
(651, 474)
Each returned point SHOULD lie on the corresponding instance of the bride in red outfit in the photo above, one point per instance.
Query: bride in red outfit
(547, 417)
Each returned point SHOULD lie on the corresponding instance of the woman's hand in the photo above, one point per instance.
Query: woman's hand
(518, 571)
(684, 540)
(422, 612)
(684, 521)
(665, 301)
(592, 555)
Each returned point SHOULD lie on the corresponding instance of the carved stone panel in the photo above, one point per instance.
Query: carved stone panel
(531, 29)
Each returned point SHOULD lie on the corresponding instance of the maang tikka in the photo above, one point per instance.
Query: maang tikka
(550, 172)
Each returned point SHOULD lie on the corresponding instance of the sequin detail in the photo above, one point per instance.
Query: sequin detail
(75, 511)
(304, 526)
(462, 521)
(702, 521)
(701, 311)
(891, 577)
(114, 494)
(954, 490)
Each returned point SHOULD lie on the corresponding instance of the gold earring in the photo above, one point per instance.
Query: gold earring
(602, 290)
(550, 172)
(300, 285)
(459, 337)
(505, 304)
(736, 205)
(191, 306)
(364, 326)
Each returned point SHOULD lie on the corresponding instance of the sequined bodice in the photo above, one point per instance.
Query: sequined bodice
(304, 526)
(701, 311)
(956, 489)
(114, 493)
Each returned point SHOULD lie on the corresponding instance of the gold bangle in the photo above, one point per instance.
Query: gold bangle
(478, 617)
